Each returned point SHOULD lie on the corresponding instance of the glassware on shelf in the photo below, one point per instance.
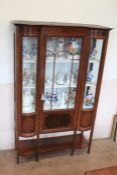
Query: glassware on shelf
(73, 46)
(28, 101)
(49, 55)
(72, 95)
(89, 96)
(93, 53)
(48, 81)
(51, 99)
(73, 80)
(88, 100)
(50, 45)
(66, 79)
(24, 52)
(90, 77)
(29, 51)
(62, 100)
(63, 48)
(34, 51)
(47, 98)
(59, 78)
(28, 78)
(60, 47)
(54, 99)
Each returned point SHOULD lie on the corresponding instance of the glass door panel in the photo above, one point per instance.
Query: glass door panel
(61, 74)
(92, 72)
(29, 64)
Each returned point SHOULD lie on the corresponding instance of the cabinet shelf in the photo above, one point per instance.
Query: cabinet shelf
(61, 86)
(90, 84)
(91, 59)
(65, 61)
(29, 61)
(62, 142)
(58, 107)
(28, 152)
(29, 87)
(52, 144)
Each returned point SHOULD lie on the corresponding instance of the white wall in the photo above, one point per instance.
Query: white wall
(102, 12)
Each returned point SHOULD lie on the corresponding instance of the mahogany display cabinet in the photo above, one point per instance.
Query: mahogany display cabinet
(58, 74)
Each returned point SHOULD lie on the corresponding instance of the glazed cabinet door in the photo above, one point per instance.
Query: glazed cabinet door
(27, 50)
(95, 66)
(96, 46)
(29, 73)
(62, 54)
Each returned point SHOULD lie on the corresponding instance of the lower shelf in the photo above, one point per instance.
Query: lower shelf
(28, 147)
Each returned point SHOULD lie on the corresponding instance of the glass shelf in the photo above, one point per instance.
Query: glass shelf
(90, 84)
(59, 106)
(62, 60)
(28, 87)
(60, 86)
(30, 61)
(92, 59)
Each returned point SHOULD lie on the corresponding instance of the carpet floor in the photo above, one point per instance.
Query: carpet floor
(103, 154)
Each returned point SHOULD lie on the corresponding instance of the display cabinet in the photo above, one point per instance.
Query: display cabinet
(58, 73)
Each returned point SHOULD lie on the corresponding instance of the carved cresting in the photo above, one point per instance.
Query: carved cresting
(28, 30)
(98, 33)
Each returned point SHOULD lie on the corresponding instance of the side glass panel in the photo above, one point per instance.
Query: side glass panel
(92, 72)
(29, 64)
(61, 72)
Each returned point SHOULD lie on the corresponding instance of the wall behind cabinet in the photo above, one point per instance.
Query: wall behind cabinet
(102, 12)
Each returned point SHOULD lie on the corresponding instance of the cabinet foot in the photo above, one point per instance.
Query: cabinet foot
(89, 149)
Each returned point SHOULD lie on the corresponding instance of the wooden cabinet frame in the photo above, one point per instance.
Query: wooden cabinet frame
(80, 119)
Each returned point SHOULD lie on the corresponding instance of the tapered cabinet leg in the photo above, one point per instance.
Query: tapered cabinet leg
(90, 141)
(37, 152)
(73, 144)
(36, 157)
(72, 151)
(17, 158)
(89, 149)
(115, 134)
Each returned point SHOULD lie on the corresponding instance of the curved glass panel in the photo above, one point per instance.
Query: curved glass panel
(29, 54)
(61, 72)
(92, 72)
